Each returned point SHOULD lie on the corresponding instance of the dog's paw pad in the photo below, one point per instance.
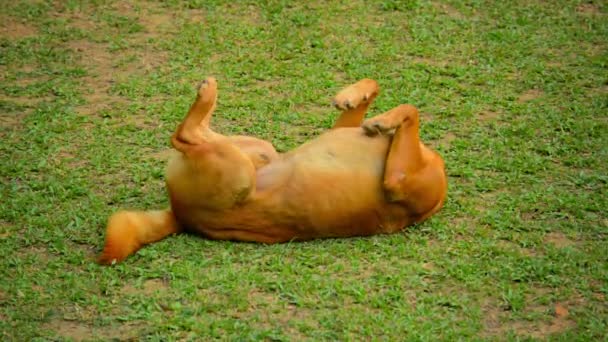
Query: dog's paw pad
(374, 127)
(208, 83)
(356, 94)
(349, 100)
(343, 104)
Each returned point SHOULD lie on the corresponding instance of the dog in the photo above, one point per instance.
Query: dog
(360, 178)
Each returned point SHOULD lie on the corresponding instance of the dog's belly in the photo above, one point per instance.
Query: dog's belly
(332, 186)
(328, 187)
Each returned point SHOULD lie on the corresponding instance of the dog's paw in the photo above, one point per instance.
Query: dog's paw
(207, 88)
(354, 95)
(377, 125)
(387, 123)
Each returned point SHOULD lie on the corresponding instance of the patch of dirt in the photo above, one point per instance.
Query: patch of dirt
(543, 330)
(41, 252)
(257, 298)
(530, 215)
(368, 270)
(69, 329)
(492, 319)
(105, 67)
(89, 252)
(143, 121)
(597, 287)
(80, 331)
(38, 288)
(603, 90)
(530, 95)
(341, 79)
(449, 10)
(486, 199)
(427, 117)
(10, 121)
(558, 240)
(150, 59)
(588, 8)
(497, 322)
(447, 139)
(196, 16)
(75, 312)
(149, 287)
(270, 84)
(464, 221)
(23, 104)
(96, 59)
(125, 7)
(79, 20)
(560, 311)
(429, 266)
(444, 142)
(487, 115)
(105, 71)
(5, 224)
(599, 296)
(12, 28)
(511, 246)
(430, 61)
(26, 81)
(155, 23)
(28, 103)
(273, 310)
(68, 158)
(315, 109)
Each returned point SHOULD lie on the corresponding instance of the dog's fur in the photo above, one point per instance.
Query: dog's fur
(356, 179)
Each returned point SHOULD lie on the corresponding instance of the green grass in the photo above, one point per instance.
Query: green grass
(514, 96)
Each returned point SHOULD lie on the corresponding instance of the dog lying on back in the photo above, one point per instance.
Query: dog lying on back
(359, 178)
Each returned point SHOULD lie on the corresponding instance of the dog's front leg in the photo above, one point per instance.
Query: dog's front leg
(414, 175)
(354, 101)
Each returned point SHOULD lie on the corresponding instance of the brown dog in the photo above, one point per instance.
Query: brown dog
(357, 179)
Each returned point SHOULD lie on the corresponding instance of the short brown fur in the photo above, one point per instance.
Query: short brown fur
(360, 178)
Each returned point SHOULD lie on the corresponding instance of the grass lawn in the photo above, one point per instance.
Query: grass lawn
(514, 95)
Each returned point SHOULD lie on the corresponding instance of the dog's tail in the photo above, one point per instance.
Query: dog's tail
(128, 231)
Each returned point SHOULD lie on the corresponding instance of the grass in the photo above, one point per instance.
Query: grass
(514, 96)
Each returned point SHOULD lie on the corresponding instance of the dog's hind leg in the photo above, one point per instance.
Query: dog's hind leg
(212, 171)
(194, 129)
(354, 101)
(414, 174)
(128, 231)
